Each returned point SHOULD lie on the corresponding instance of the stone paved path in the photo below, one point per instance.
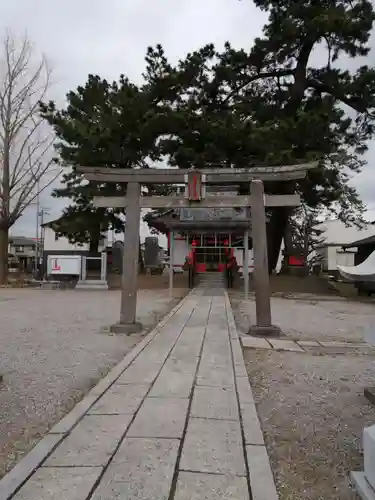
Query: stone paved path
(175, 420)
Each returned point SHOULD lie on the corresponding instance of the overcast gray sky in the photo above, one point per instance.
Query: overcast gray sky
(110, 38)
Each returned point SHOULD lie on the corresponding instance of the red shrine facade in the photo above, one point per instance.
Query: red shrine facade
(210, 250)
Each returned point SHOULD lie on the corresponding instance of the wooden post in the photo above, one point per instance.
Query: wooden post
(171, 249)
(103, 267)
(245, 264)
(261, 277)
(84, 268)
(128, 323)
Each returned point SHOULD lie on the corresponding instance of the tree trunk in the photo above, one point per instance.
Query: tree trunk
(141, 263)
(288, 245)
(277, 226)
(94, 245)
(276, 231)
(4, 238)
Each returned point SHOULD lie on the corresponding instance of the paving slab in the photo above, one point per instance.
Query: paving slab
(213, 446)
(215, 375)
(198, 319)
(27, 465)
(91, 443)
(244, 390)
(262, 483)
(215, 355)
(78, 412)
(237, 351)
(308, 343)
(140, 372)
(347, 345)
(141, 469)
(217, 339)
(60, 483)
(251, 425)
(158, 353)
(214, 325)
(120, 400)
(186, 350)
(285, 345)
(215, 402)
(193, 486)
(174, 383)
(195, 333)
(255, 342)
(160, 418)
(240, 370)
(182, 364)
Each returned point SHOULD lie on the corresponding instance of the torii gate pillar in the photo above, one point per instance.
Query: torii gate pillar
(261, 277)
(128, 309)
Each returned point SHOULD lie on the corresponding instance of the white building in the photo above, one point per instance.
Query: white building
(53, 243)
(336, 235)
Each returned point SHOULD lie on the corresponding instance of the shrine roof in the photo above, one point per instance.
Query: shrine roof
(170, 219)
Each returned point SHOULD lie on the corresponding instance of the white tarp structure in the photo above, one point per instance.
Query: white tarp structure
(64, 265)
(363, 272)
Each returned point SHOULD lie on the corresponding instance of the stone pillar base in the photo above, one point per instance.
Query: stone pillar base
(364, 481)
(362, 486)
(265, 331)
(126, 328)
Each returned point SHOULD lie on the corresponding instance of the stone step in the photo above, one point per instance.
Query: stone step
(91, 285)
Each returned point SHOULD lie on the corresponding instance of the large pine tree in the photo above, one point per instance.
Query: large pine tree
(104, 124)
(270, 105)
(265, 104)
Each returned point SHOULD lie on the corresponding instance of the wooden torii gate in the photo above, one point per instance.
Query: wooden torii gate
(195, 196)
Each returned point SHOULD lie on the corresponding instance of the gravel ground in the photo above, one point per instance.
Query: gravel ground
(313, 319)
(311, 404)
(53, 350)
(312, 412)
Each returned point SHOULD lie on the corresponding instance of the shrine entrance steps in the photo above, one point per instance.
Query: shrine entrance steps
(175, 420)
(211, 280)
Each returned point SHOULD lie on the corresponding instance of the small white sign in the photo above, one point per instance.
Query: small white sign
(64, 264)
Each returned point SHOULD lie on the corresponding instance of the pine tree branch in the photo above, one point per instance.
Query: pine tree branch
(259, 76)
(355, 104)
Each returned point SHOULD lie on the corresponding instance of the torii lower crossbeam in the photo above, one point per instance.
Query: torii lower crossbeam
(286, 200)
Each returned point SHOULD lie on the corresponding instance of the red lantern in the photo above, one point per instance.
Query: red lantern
(226, 243)
(194, 243)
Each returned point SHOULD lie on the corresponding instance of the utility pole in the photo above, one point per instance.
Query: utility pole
(36, 264)
(42, 212)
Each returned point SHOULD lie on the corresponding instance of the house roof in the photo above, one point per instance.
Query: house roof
(50, 223)
(336, 233)
(370, 240)
(21, 241)
(158, 220)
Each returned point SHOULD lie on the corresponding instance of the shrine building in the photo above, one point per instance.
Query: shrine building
(210, 231)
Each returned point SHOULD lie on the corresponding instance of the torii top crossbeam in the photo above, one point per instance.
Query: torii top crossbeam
(211, 176)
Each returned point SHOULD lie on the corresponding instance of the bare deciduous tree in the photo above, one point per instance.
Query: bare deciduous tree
(25, 138)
